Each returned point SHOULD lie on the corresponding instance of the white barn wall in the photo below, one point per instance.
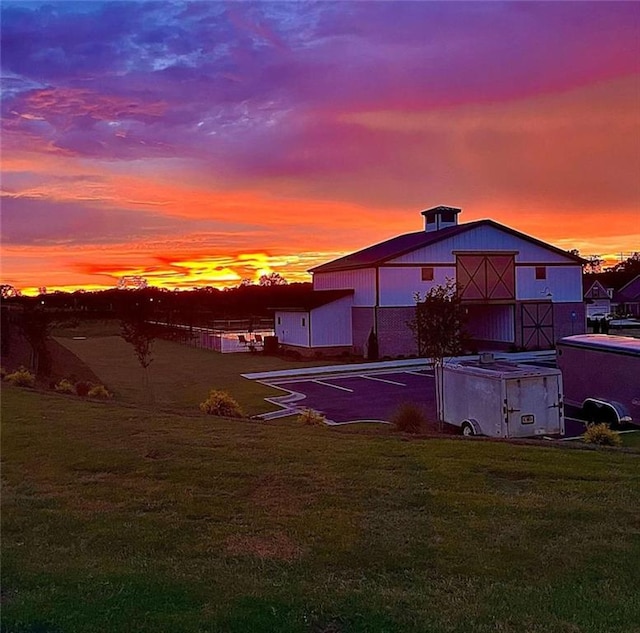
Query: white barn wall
(290, 330)
(483, 238)
(331, 324)
(491, 323)
(361, 281)
(398, 285)
(563, 282)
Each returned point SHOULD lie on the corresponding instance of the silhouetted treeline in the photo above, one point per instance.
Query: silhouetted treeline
(194, 307)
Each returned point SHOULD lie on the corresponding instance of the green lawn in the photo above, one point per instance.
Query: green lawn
(180, 376)
(119, 519)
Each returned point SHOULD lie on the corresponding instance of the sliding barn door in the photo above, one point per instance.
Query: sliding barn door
(486, 277)
(537, 325)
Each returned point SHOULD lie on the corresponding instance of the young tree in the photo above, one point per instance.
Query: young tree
(35, 326)
(138, 329)
(438, 326)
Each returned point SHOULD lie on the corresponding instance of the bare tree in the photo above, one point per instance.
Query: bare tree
(272, 279)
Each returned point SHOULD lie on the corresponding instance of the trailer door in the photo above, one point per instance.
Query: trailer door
(533, 406)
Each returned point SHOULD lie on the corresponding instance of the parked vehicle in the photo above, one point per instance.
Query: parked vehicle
(500, 399)
(601, 375)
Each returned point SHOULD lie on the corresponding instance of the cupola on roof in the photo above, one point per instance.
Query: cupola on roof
(440, 217)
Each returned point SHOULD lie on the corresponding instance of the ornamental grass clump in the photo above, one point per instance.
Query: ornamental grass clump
(22, 377)
(309, 417)
(65, 386)
(409, 418)
(222, 404)
(602, 435)
(100, 392)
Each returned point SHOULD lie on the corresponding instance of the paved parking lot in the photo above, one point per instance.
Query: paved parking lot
(364, 396)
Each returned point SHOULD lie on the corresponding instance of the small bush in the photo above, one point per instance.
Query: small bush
(82, 388)
(602, 435)
(22, 377)
(3, 373)
(99, 391)
(310, 417)
(65, 386)
(222, 404)
(409, 418)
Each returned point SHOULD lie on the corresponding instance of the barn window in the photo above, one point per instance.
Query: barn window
(541, 272)
(278, 320)
(303, 322)
(427, 273)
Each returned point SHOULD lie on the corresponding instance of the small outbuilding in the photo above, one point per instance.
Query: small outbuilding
(518, 291)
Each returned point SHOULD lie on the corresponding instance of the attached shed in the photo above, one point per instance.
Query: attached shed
(518, 290)
(322, 323)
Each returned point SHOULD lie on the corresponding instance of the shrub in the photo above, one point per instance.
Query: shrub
(601, 434)
(310, 417)
(65, 386)
(82, 388)
(3, 373)
(99, 391)
(22, 377)
(409, 418)
(222, 404)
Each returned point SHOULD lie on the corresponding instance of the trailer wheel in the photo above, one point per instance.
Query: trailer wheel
(467, 429)
(597, 414)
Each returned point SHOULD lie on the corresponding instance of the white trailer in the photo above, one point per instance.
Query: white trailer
(500, 399)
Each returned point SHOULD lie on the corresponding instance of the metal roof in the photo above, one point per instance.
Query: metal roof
(315, 299)
(605, 342)
(396, 246)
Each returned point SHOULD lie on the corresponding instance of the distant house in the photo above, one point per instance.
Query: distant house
(627, 298)
(597, 298)
(517, 290)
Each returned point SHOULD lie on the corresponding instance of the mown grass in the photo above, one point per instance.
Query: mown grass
(180, 377)
(115, 518)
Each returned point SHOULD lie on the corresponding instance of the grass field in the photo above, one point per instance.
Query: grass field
(180, 376)
(119, 519)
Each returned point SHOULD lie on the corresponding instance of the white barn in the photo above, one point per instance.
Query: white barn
(518, 291)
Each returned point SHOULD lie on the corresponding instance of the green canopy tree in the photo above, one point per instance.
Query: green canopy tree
(439, 325)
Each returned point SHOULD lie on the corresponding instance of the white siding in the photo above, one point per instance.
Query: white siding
(362, 281)
(564, 283)
(331, 324)
(491, 323)
(398, 285)
(482, 238)
(290, 330)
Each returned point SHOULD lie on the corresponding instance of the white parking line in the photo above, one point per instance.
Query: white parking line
(419, 373)
(391, 382)
(328, 384)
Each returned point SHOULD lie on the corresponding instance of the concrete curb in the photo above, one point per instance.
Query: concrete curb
(423, 363)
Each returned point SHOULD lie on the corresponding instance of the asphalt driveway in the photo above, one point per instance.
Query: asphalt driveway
(364, 396)
(372, 393)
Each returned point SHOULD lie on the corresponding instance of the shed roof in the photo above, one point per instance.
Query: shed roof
(402, 244)
(315, 299)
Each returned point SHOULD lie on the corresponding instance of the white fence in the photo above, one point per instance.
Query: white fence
(223, 341)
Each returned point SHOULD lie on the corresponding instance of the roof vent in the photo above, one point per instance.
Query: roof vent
(487, 358)
(440, 217)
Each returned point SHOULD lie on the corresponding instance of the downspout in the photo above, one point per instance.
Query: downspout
(375, 309)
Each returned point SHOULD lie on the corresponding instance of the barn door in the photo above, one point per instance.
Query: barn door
(486, 277)
(537, 325)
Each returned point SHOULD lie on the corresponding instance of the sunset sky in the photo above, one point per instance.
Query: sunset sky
(200, 143)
